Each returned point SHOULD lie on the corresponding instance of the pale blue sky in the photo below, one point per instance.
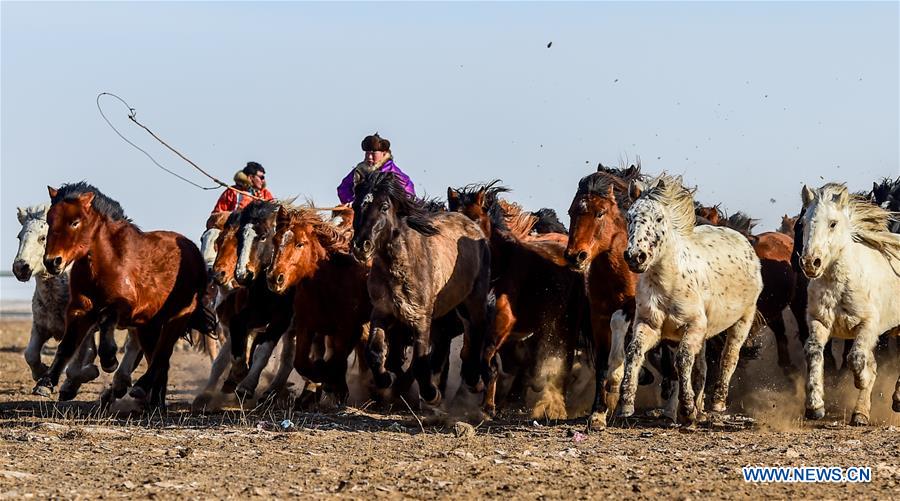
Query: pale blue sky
(747, 100)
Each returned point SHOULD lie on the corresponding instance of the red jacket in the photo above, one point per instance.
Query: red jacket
(231, 200)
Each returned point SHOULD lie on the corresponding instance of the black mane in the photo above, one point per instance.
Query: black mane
(414, 211)
(741, 223)
(257, 210)
(101, 204)
(492, 190)
(548, 222)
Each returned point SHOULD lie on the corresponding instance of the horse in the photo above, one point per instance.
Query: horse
(208, 249)
(548, 222)
(695, 282)
(264, 308)
(312, 258)
(424, 267)
(710, 215)
(535, 296)
(48, 306)
(787, 225)
(153, 282)
(853, 264)
(597, 240)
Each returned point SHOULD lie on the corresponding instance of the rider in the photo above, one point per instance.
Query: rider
(377, 158)
(251, 179)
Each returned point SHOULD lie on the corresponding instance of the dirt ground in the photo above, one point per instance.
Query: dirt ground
(72, 451)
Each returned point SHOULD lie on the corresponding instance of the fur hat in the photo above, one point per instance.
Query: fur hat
(376, 143)
(242, 180)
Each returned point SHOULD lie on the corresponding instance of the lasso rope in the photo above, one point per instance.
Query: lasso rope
(132, 113)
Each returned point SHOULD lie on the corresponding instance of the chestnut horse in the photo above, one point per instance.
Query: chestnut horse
(424, 267)
(153, 282)
(535, 294)
(598, 237)
(312, 258)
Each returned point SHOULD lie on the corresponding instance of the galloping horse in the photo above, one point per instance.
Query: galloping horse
(535, 295)
(424, 266)
(597, 240)
(48, 305)
(153, 282)
(312, 258)
(853, 263)
(695, 283)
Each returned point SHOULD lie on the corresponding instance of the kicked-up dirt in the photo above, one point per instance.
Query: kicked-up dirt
(72, 450)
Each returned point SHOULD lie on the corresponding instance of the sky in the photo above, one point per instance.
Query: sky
(748, 101)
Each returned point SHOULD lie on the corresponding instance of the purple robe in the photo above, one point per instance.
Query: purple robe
(345, 190)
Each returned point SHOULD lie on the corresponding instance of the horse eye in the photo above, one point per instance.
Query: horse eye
(41, 239)
(599, 215)
(832, 224)
(384, 207)
(75, 223)
(299, 244)
(659, 219)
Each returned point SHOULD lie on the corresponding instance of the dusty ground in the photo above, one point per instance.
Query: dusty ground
(70, 451)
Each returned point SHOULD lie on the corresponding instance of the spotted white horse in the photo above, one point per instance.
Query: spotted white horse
(853, 263)
(695, 282)
(48, 307)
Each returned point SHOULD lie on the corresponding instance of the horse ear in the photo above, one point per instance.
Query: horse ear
(86, 199)
(53, 191)
(630, 170)
(807, 195)
(282, 213)
(874, 186)
(479, 198)
(452, 197)
(842, 198)
(21, 213)
(660, 184)
(600, 167)
(635, 188)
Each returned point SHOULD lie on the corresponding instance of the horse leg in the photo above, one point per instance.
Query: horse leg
(151, 387)
(77, 327)
(609, 368)
(377, 352)
(776, 323)
(494, 340)
(107, 347)
(336, 366)
(669, 386)
(441, 336)
(814, 348)
(122, 377)
(216, 371)
(39, 337)
(644, 339)
(285, 364)
(421, 363)
(264, 346)
(735, 336)
(80, 370)
(691, 345)
(896, 399)
(238, 328)
(862, 362)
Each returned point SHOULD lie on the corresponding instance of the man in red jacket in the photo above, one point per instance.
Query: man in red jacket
(250, 179)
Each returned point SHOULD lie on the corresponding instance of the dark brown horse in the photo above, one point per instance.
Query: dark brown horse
(535, 295)
(313, 258)
(424, 267)
(153, 282)
(597, 239)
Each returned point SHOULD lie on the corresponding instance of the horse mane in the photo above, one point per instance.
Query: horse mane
(410, 208)
(492, 191)
(101, 203)
(598, 183)
(434, 205)
(548, 222)
(34, 212)
(518, 220)
(868, 222)
(332, 237)
(259, 210)
(741, 223)
(678, 200)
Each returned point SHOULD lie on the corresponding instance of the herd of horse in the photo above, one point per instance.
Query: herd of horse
(644, 280)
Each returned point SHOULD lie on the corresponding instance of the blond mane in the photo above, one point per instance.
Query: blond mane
(331, 236)
(678, 201)
(868, 222)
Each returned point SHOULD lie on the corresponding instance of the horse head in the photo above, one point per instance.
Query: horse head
(298, 250)
(657, 213)
(214, 226)
(594, 219)
(826, 226)
(254, 240)
(32, 239)
(72, 222)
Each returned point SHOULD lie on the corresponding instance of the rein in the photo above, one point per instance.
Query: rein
(132, 113)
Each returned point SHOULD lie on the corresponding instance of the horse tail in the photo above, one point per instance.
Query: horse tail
(203, 319)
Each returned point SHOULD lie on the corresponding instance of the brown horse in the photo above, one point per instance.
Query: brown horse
(153, 282)
(787, 225)
(597, 239)
(425, 266)
(534, 295)
(330, 297)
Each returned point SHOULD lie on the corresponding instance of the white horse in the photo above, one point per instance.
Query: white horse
(696, 281)
(48, 307)
(853, 263)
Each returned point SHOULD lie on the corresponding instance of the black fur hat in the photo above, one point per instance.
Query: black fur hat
(376, 143)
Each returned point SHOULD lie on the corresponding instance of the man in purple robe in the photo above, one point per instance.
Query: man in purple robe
(378, 158)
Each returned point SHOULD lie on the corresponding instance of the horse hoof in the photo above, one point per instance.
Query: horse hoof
(815, 414)
(244, 394)
(109, 366)
(67, 394)
(896, 406)
(201, 402)
(384, 380)
(42, 390)
(625, 411)
(91, 373)
(597, 422)
(645, 377)
(859, 420)
(138, 393)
